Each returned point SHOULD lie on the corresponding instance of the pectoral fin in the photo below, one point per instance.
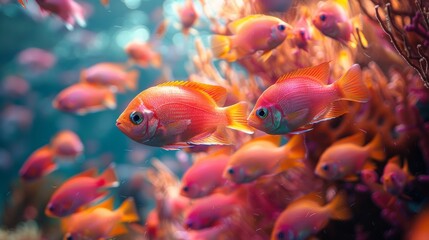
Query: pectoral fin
(297, 118)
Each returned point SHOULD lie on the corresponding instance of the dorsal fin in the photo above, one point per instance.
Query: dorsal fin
(218, 93)
(319, 73)
(313, 197)
(395, 160)
(358, 139)
(92, 172)
(275, 139)
(224, 150)
(236, 25)
(107, 203)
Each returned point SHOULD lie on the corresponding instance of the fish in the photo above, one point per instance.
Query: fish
(69, 11)
(111, 75)
(79, 191)
(188, 16)
(100, 221)
(250, 34)
(105, 2)
(394, 177)
(306, 216)
(40, 163)
(83, 98)
(67, 144)
(181, 114)
(303, 97)
(143, 54)
(36, 59)
(262, 156)
(302, 32)
(205, 175)
(332, 20)
(347, 157)
(23, 3)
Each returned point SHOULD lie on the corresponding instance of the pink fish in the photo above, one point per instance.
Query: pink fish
(37, 59)
(40, 163)
(14, 86)
(67, 144)
(303, 97)
(143, 54)
(301, 33)
(188, 16)
(394, 177)
(68, 10)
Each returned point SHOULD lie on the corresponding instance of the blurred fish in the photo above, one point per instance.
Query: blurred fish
(394, 177)
(39, 163)
(180, 114)
(347, 157)
(68, 10)
(266, 6)
(188, 16)
(101, 221)
(205, 175)
(36, 59)
(14, 86)
(80, 190)
(143, 54)
(67, 144)
(111, 75)
(82, 98)
(332, 20)
(262, 156)
(303, 97)
(306, 217)
(419, 229)
(250, 34)
(302, 32)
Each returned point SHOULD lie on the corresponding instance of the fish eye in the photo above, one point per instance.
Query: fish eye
(322, 17)
(262, 113)
(231, 171)
(302, 33)
(136, 117)
(280, 235)
(51, 208)
(281, 27)
(325, 167)
(185, 188)
(189, 224)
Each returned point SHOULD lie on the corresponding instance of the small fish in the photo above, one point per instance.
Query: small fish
(262, 156)
(394, 177)
(111, 75)
(303, 97)
(67, 144)
(100, 221)
(250, 34)
(205, 175)
(332, 20)
(188, 16)
(347, 157)
(40, 163)
(36, 59)
(181, 114)
(82, 98)
(68, 10)
(80, 190)
(307, 216)
(143, 54)
(302, 33)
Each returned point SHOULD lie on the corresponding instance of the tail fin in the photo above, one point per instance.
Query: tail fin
(351, 86)
(296, 148)
(236, 115)
(78, 14)
(132, 79)
(108, 178)
(110, 100)
(376, 148)
(338, 208)
(128, 211)
(220, 45)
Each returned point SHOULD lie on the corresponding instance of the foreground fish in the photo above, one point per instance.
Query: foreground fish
(100, 221)
(67, 144)
(262, 156)
(347, 157)
(179, 114)
(82, 98)
(79, 191)
(306, 217)
(303, 97)
(394, 177)
(143, 54)
(250, 34)
(40, 163)
(68, 10)
(111, 75)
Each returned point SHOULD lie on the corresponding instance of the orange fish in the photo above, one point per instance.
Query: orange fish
(100, 221)
(67, 144)
(82, 98)
(188, 16)
(262, 156)
(68, 10)
(250, 34)
(111, 74)
(181, 114)
(40, 163)
(303, 97)
(394, 177)
(347, 157)
(79, 191)
(143, 54)
(306, 217)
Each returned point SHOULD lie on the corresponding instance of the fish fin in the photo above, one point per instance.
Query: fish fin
(236, 25)
(78, 13)
(357, 138)
(335, 110)
(295, 147)
(108, 178)
(376, 148)
(288, 163)
(92, 172)
(312, 197)
(221, 47)
(338, 207)
(224, 150)
(50, 168)
(156, 60)
(351, 86)
(237, 117)
(132, 79)
(177, 127)
(302, 129)
(406, 169)
(266, 55)
(107, 204)
(369, 166)
(176, 146)
(110, 100)
(351, 178)
(274, 139)
(118, 229)
(319, 73)
(219, 137)
(128, 211)
(296, 118)
(217, 93)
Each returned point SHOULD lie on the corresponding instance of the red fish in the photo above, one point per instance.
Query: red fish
(303, 97)
(394, 177)
(178, 114)
(67, 144)
(40, 163)
(79, 191)
(68, 10)
(143, 54)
